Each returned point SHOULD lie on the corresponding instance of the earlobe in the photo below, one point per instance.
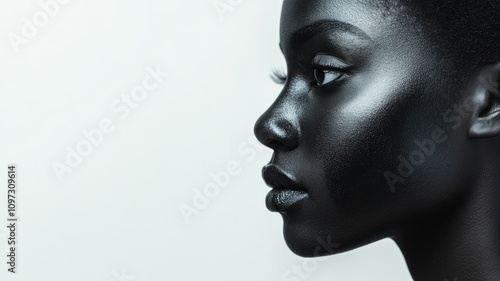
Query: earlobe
(485, 104)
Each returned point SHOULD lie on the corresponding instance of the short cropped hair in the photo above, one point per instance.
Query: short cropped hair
(467, 30)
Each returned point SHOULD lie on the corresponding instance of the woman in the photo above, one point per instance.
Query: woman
(388, 126)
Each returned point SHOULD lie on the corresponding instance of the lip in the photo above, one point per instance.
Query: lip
(278, 179)
(286, 190)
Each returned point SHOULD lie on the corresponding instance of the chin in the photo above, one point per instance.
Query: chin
(307, 237)
(306, 240)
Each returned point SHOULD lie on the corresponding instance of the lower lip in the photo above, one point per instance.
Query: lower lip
(278, 200)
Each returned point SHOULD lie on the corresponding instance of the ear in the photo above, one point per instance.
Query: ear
(485, 104)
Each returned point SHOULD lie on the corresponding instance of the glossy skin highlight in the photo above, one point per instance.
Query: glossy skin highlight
(365, 89)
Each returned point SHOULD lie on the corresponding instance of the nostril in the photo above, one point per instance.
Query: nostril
(278, 133)
(270, 141)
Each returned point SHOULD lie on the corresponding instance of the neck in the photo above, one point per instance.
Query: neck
(462, 243)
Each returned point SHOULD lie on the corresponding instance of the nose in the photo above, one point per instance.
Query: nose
(277, 130)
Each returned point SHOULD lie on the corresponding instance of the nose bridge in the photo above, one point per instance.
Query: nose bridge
(278, 127)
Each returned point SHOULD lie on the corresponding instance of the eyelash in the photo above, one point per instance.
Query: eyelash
(279, 76)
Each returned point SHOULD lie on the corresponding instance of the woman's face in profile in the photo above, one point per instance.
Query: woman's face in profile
(367, 132)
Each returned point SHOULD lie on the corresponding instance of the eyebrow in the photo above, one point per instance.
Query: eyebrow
(307, 32)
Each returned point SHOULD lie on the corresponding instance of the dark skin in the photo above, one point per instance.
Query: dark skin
(378, 133)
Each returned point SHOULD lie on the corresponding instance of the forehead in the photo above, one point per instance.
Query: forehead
(365, 15)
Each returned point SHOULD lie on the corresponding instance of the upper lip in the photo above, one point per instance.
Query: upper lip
(276, 178)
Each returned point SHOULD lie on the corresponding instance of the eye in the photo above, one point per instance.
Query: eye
(325, 76)
(328, 68)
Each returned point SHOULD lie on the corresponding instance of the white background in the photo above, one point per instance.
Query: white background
(115, 216)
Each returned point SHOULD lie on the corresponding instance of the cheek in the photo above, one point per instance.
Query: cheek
(384, 145)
